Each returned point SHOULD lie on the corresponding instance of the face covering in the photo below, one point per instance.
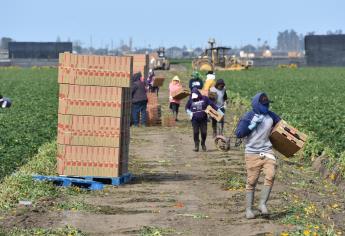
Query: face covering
(264, 108)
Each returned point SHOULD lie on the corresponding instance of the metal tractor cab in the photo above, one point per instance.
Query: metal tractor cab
(161, 62)
(218, 58)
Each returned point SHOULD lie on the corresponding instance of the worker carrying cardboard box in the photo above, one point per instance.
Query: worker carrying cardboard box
(220, 99)
(174, 105)
(256, 126)
(195, 109)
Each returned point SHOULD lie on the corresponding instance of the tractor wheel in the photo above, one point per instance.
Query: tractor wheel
(205, 66)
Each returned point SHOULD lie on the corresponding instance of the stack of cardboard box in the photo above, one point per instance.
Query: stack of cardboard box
(154, 112)
(140, 64)
(94, 115)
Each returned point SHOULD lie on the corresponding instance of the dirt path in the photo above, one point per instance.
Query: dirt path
(179, 192)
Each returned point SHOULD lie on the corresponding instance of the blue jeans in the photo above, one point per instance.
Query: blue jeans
(139, 108)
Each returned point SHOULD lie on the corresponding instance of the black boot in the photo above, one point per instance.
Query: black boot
(196, 148)
(203, 146)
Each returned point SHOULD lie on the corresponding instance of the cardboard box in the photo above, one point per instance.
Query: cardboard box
(214, 114)
(181, 94)
(88, 161)
(286, 139)
(89, 131)
(158, 82)
(95, 70)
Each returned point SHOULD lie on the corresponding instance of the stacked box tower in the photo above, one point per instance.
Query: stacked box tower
(94, 115)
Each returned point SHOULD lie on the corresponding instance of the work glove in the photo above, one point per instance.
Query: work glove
(257, 119)
(190, 114)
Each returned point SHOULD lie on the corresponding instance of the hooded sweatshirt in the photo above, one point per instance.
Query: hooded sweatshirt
(196, 82)
(138, 89)
(198, 106)
(257, 140)
(173, 88)
(210, 82)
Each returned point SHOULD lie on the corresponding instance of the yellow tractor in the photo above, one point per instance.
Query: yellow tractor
(217, 58)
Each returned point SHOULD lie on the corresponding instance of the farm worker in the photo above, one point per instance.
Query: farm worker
(174, 86)
(220, 99)
(5, 102)
(195, 81)
(255, 126)
(210, 80)
(150, 80)
(139, 100)
(195, 109)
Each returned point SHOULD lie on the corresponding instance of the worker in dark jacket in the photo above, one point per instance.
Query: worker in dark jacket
(195, 109)
(5, 102)
(256, 126)
(196, 81)
(139, 100)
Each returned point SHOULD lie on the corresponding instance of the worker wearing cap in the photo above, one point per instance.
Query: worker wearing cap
(174, 86)
(195, 109)
(196, 81)
(256, 126)
(5, 102)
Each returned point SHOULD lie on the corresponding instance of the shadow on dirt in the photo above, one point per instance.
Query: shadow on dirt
(160, 177)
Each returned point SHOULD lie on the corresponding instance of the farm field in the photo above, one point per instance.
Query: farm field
(309, 98)
(32, 119)
(175, 191)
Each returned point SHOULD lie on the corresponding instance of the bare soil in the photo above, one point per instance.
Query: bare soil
(182, 192)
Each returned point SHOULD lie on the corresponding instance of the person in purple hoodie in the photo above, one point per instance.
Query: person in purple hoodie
(195, 109)
(256, 126)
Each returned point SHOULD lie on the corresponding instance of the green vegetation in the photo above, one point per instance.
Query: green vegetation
(21, 186)
(309, 98)
(154, 231)
(32, 119)
(67, 230)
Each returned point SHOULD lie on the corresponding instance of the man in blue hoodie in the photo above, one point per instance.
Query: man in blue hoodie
(195, 109)
(256, 126)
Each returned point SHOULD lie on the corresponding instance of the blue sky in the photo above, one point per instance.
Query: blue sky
(166, 23)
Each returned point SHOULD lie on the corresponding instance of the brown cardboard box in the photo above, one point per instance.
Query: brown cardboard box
(181, 94)
(158, 82)
(88, 161)
(214, 114)
(89, 130)
(286, 139)
(95, 107)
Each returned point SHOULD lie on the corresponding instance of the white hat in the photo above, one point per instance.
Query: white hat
(176, 78)
(194, 95)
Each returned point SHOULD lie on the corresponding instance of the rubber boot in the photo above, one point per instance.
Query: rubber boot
(214, 132)
(196, 148)
(265, 194)
(203, 146)
(250, 200)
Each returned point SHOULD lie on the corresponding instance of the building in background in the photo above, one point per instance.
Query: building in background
(37, 50)
(325, 50)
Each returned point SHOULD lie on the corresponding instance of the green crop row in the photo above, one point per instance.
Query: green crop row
(311, 99)
(32, 119)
